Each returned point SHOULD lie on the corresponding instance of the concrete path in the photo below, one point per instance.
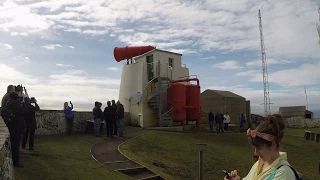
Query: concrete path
(107, 153)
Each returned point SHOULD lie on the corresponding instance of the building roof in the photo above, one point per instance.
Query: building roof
(156, 50)
(224, 93)
(292, 109)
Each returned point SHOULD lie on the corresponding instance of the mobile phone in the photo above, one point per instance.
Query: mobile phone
(226, 173)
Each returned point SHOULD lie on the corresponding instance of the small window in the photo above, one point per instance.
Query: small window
(171, 62)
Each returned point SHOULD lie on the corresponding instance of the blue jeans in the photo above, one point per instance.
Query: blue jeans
(120, 127)
(97, 123)
(241, 127)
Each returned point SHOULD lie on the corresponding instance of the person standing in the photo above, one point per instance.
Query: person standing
(114, 113)
(226, 121)
(4, 101)
(109, 119)
(69, 117)
(120, 116)
(219, 121)
(31, 123)
(211, 119)
(16, 124)
(242, 121)
(97, 117)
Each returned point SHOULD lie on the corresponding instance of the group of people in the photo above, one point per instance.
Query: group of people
(112, 115)
(223, 121)
(18, 112)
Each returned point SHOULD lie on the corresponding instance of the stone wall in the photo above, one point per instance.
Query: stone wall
(6, 166)
(54, 122)
(300, 122)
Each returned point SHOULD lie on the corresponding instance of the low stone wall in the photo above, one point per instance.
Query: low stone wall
(6, 166)
(300, 122)
(54, 122)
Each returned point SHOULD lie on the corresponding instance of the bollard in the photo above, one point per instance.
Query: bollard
(201, 147)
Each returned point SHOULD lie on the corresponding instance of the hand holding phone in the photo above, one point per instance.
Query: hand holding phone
(226, 173)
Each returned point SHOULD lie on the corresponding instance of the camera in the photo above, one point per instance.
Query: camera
(32, 100)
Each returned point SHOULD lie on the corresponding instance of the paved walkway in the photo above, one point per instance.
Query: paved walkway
(107, 153)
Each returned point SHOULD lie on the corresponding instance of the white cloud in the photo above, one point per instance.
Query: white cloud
(64, 65)
(18, 34)
(228, 65)
(249, 73)
(52, 46)
(209, 57)
(5, 46)
(71, 47)
(52, 91)
(113, 69)
(307, 74)
(17, 16)
(269, 62)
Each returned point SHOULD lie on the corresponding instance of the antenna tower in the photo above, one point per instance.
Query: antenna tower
(264, 70)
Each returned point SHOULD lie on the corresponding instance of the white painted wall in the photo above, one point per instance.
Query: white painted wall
(134, 78)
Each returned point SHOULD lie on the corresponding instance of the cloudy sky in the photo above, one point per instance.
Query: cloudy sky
(62, 50)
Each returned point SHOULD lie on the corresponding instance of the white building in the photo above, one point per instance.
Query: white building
(140, 88)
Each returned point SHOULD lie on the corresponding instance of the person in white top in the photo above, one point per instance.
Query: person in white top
(226, 121)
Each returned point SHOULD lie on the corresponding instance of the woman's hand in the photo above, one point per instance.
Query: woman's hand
(233, 176)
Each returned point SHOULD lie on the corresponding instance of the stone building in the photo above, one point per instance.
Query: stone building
(295, 111)
(225, 101)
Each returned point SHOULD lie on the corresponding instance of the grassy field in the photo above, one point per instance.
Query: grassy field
(300, 132)
(173, 155)
(60, 157)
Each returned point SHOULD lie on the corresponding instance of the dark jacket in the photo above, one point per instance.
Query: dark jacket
(97, 112)
(211, 116)
(30, 117)
(114, 111)
(219, 118)
(68, 112)
(120, 111)
(107, 113)
(17, 123)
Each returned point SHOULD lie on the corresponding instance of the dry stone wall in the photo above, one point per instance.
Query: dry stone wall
(301, 122)
(6, 166)
(54, 122)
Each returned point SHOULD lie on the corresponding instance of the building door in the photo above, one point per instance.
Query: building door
(150, 68)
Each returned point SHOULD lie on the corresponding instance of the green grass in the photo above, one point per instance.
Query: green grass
(300, 132)
(179, 159)
(63, 157)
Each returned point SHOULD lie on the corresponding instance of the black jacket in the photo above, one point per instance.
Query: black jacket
(219, 118)
(211, 116)
(30, 117)
(107, 113)
(17, 123)
(97, 112)
(114, 111)
(120, 112)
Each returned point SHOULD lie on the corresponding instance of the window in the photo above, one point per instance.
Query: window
(171, 62)
(150, 67)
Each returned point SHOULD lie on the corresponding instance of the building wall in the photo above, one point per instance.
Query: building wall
(6, 166)
(216, 102)
(131, 83)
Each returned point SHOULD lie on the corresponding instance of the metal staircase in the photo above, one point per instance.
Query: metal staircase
(157, 94)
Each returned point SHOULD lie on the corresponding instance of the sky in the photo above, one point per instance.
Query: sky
(62, 50)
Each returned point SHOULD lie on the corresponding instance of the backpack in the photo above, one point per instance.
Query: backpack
(7, 115)
(294, 171)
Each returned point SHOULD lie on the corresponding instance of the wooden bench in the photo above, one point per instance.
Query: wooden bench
(90, 126)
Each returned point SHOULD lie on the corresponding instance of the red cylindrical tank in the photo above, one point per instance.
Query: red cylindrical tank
(192, 99)
(122, 53)
(176, 95)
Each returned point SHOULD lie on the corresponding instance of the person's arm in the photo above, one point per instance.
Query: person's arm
(71, 105)
(25, 92)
